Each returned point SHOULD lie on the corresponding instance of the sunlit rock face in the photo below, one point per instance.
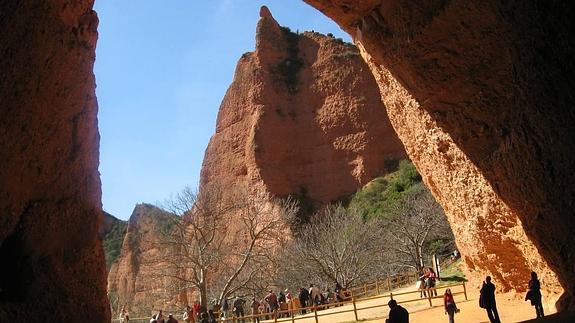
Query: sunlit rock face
(52, 261)
(134, 279)
(481, 95)
(302, 117)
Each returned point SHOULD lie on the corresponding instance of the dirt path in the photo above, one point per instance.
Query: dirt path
(510, 310)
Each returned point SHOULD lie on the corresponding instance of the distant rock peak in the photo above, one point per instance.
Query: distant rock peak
(265, 12)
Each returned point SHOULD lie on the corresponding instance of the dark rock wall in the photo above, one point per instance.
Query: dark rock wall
(52, 265)
(496, 77)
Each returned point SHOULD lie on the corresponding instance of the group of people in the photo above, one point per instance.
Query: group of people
(487, 297)
(398, 314)
(426, 282)
(199, 314)
(272, 303)
(314, 297)
(282, 301)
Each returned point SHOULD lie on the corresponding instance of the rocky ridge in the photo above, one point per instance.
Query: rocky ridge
(302, 117)
(133, 279)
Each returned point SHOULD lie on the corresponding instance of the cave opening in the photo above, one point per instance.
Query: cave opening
(459, 99)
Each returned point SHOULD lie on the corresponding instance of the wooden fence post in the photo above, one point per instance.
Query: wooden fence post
(364, 290)
(354, 309)
(388, 283)
(429, 291)
(292, 315)
(464, 291)
(376, 287)
(391, 295)
(275, 316)
(315, 313)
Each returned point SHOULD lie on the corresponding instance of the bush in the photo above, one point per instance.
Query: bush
(378, 198)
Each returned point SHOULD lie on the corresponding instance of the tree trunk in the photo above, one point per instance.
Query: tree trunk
(203, 290)
(419, 255)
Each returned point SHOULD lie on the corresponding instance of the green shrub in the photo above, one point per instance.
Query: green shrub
(382, 195)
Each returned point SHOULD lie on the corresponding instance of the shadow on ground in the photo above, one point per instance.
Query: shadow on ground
(453, 279)
(562, 317)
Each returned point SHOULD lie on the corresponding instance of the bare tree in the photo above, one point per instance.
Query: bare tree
(337, 246)
(415, 222)
(222, 238)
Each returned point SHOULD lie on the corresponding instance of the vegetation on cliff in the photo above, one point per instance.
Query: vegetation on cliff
(112, 235)
(391, 225)
(380, 197)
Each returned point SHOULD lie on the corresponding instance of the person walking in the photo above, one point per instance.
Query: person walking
(272, 300)
(487, 300)
(338, 290)
(303, 298)
(449, 304)
(212, 317)
(239, 308)
(197, 310)
(225, 307)
(421, 282)
(124, 315)
(315, 294)
(431, 278)
(160, 317)
(397, 314)
(534, 294)
(255, 306)
(188, 315)
(171, 319)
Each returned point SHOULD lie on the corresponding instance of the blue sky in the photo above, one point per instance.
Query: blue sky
(162, 69)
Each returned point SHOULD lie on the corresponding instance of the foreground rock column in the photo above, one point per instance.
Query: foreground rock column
(53, 266)
(480, 94)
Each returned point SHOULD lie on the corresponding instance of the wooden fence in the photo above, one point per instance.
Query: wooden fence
(383, 284)
(355, 294)
(316, 312)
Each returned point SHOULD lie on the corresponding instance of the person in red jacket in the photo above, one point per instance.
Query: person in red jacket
(449, 304)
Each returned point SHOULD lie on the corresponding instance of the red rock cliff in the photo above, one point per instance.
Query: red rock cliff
(303, 116)
(481, 95)
(133, 279)
(52, 264)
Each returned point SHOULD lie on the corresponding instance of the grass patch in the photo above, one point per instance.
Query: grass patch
(452, 274)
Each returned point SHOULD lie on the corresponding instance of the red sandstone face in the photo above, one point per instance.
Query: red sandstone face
(52, 262)
(481, 97)
(302, 116)
(484, 87)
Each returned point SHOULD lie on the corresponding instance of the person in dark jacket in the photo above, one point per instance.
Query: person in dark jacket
(487, 299)
(171, 319)
(239, 308)
(397, 314)
(534, 294)
(303, 298)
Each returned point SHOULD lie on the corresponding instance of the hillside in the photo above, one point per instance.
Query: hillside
(112, 234)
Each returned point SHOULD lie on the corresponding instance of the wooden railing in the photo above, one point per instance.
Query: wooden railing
(381, 285)
(365, 292)
(315, 312)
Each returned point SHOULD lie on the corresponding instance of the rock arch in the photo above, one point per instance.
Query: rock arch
(479, 92)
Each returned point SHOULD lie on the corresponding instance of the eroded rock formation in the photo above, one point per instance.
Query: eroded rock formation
(135, 279)
(52, 260)
(303, 116)
(480, 94)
